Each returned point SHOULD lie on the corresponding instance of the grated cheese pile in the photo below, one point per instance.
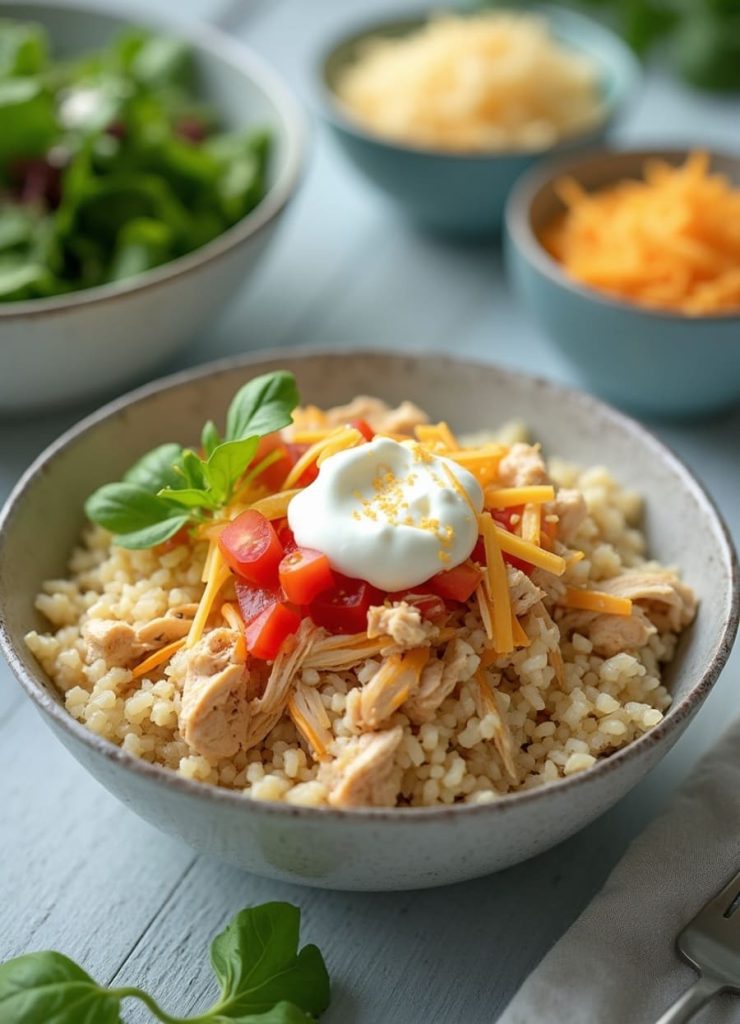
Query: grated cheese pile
(495, 81)
(670, 241)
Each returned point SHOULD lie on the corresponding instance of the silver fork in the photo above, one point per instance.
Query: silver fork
(711, 944)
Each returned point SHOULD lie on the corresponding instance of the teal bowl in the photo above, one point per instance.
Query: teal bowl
(651, 362)
(465, 193)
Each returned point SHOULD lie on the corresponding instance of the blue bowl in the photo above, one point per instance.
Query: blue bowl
(649, 361)
(463, 193)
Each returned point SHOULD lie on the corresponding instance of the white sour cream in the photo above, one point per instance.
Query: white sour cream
(389, 513)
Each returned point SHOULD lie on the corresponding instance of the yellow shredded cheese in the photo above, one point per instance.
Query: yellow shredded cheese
(508, 497)
(337, 440)
(275, 506)
(498, 586)
(483, 462)
(514, 545)
(218, 573)
(596, 601)
(157, 658)
(521, 639)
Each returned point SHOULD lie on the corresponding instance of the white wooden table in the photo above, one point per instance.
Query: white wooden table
(80, 873)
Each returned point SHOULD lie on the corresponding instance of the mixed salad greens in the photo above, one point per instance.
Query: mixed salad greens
(110, 164)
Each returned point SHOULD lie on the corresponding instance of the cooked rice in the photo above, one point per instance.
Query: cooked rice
(530, 729)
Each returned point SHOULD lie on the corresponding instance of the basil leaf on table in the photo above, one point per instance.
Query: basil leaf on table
(264, 980)
(50, 988)
(262, 406)
(257, 963)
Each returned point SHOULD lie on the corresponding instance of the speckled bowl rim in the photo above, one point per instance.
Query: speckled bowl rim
(518, 222)
(221, 48)
(335, 113)
(43, 699)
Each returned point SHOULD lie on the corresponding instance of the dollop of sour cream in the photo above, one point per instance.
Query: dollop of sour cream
(389, 512)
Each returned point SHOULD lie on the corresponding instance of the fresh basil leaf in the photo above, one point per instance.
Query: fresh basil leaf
(281, 1013)
(192, 469)
(150, 536)
(50, 988)
(190, 497)
(156, 469)
(24, 48)
(126, 507)
(210, 438)
(262, 405)
(27, 121)
(226, 464)
(258, 965)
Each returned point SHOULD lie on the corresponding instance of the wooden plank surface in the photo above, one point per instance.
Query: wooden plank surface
(82, 874)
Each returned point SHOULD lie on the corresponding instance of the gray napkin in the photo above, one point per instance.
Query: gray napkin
(617, 963)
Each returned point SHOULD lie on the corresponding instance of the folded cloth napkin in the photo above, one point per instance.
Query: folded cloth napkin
(617, 963)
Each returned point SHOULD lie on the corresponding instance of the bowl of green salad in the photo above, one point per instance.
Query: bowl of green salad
(143, 170)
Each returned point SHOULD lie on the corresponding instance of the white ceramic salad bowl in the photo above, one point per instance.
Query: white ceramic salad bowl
(370, 849)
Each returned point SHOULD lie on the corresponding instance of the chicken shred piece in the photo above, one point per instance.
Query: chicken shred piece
(174, 625)
(395, 681)
(611, 634)
(402, 623)
(113, 641)
(382, 418)
(438, 680)
(570, 508)
(669, 603)
(214, 713)
(266, 711)
(522, 466)
(365, 773)
(523, 593)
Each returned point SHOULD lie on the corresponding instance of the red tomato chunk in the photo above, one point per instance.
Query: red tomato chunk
(431, 606)
(364, 427)
(276, 472)
(252, 549)
(304, 574)
(254, 600)
(456, 584)
(265, 634)
(343, 609)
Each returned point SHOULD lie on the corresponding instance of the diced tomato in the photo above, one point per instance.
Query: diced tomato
(503, 516)
(286, 538)
(431, 606)
(343, 609)
(295, 451)
(266, 633)
(252, 549)
(478, 553)
(456, 584)
(253, 600)
(273, 476)
(304, 574)
(364, 427)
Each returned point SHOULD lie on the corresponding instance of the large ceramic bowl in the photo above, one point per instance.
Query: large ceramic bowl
(56, 350)
(651, 361)
(368, 848)
(464, 193)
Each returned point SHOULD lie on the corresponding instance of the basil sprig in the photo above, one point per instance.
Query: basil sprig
(262, 975)
(171, 487)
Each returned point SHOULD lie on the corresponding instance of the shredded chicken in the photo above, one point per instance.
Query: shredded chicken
(668, 602)
(523, 593)
(437, 682)
(365, 773)
(521, 466)
(174, 625)
(570, 508)
(610, 634)
(395, 681)
(111, 640)
(381, 417)
(402, 623)
(214, 713)
(266, 711)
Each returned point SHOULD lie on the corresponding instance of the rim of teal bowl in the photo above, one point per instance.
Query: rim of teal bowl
(621, 69)
(42, 695)
(518, 223)
(222, 48)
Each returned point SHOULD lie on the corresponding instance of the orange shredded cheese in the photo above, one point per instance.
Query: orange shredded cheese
(457, 486)
(596, 601)
(498, 586)
(157, 658)
(669, 240)
(336, 441)
(513, 545)
(521, 638)
(509, 497)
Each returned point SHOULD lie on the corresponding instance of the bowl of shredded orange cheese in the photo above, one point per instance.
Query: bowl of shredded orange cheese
(631, 262)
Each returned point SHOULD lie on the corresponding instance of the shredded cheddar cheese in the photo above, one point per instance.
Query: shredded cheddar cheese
(157, 658)
(218, 573)
(514, 545)
(336, 441)
(521, 639)
(498, 586)
(669, 240)
(596, 601)
(510, 497)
